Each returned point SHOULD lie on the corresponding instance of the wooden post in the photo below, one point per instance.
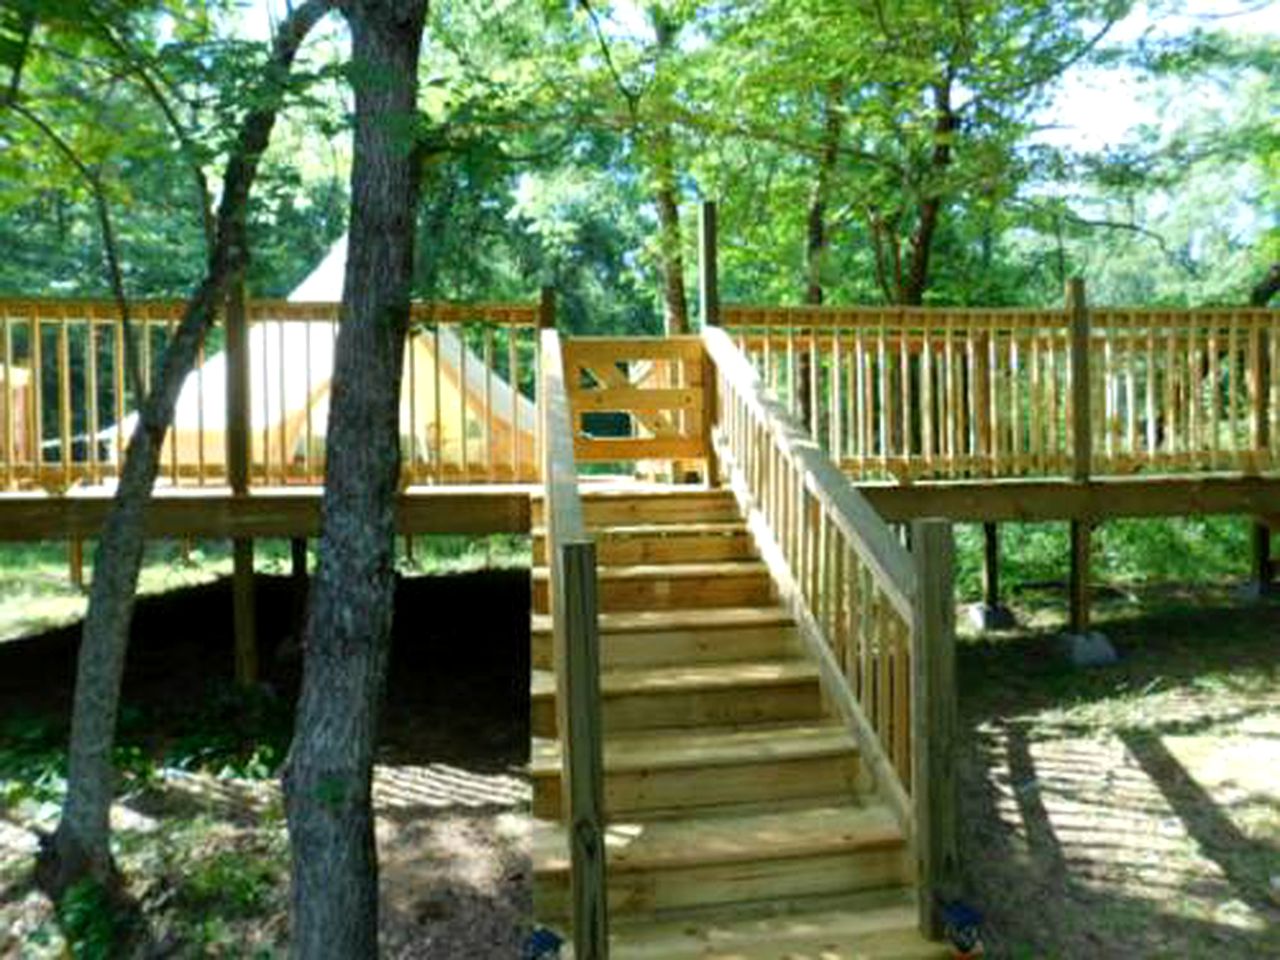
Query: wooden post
(1078, 310)
(1261, 403)
(1081, 546)
(237, 323)
(710, 407)
(547, 309)
(991, 565)
(1262, 574)
(934, 721)
(708, 267)
(581, 735)
(75, 562)
(243, 611)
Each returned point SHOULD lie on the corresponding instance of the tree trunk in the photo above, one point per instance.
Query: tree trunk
(817, 241)
(675, 305)
(911, 292)
(1266, 288)
(80, 846)
(328, 778)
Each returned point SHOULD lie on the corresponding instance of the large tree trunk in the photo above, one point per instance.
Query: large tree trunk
(911, 291)
(675, 304)
(328, 778)
(817, 239)
(80, 846)
(1266, 288)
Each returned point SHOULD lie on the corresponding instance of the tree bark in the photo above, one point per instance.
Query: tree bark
(675, 303)
(911, 293)
(328, 777)
(1266, 288)
(80, 847)
(817, 241)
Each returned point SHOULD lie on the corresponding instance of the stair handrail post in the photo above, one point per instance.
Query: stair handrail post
(574, 606)
(1081, 389)
(934, 792)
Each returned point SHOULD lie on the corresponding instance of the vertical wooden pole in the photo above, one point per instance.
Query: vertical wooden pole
(547, 309)
(1262, 567)
(582, 745)
(934, 721)
(246, 643)
(1078, 310)
(1261, 412)
(246, 655)
(991, 566)
(1081, 547)
(75, 558)
(708, 266)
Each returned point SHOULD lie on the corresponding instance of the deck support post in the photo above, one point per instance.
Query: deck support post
(1081, 417)
(991, 614)
(934, 721)
(1262, 569)
(75, 563)
(1081, 548)
(237, 322)
(246, 656)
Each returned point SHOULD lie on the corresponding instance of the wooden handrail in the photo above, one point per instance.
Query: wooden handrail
(876, 618)
(576, 658)
(851, 511)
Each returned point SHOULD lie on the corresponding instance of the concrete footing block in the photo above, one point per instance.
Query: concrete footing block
(1087, 649)
(998, 617)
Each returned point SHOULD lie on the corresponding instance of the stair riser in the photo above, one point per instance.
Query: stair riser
(692, 548)
(663, 593)
(688, 790)
(624, 511)
(636, 892)
(801, 700)
(673, 647)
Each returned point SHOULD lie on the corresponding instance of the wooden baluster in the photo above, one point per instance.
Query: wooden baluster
(883, 364)
(1234, 391)
(437, 442)
(36, 399)
(489, 464)
(7, 404)
(927, 392)
(1151, 434)
(64, 398)
(835, 408)
(905, 444)
(1215, 393)
(1017, 455)
(1172, 413)
(1131, 391)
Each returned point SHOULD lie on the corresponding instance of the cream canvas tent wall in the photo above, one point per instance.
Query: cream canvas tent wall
(15, 407)
(290, 373)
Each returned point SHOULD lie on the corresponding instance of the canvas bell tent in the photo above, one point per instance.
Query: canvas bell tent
(460, 417)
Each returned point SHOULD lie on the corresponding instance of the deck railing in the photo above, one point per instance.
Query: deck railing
(933, 393)
(576, 658)
(876, 616)
(467, 410)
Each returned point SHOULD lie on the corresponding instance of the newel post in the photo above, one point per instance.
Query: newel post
(934, 791)
(709, 310)
(573, 587)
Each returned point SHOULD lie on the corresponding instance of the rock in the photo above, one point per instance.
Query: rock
(1087, 650)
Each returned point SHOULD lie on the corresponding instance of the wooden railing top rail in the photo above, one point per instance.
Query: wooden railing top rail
(828, 317)
(513, 314)
(851, 511)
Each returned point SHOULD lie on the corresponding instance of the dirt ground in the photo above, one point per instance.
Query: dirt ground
(450, 790)
(1132, 811)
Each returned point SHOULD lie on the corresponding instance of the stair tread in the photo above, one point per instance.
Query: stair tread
(679, 528)
(672, 571)
(834, 931)
(626, 680)
(706, 747)
(723, 838)
(711, 618)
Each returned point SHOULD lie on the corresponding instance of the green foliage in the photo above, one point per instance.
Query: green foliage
(230, 883)
(90, 921)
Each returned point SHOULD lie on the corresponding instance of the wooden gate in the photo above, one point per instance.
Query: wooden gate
(658, 383)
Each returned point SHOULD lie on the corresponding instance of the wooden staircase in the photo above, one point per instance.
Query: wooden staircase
(739, 821)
